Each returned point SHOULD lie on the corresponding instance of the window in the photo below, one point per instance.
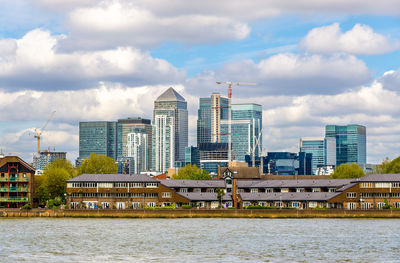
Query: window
(151, 185)
(246, 204)
(351, 195)
(312, 204)
(367, 185)
(269, 190)
(254, 190)
(331, 190)
(228, 190)
(24, 175)
(279, 204)
(381, 205)
(365, 205)
(284, 190)
(105, 185)
(262, 203)
(351, 206)
(183, 190)
(383, 185)
(120, 185)
(210, 190)
(395, 185)
(296, 204)
(105, 205)
(197, 190)
(299, 190)
(151, 204)
(136, 205)
(316, 190)
(228, 181)
(365, 195)
(136, 185)
(2, 174)
(166, 195)
(396, 204)
(120, 205)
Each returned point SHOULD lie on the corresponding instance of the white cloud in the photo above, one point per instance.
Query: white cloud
(288, 74)
(33, 62)
(360, 40)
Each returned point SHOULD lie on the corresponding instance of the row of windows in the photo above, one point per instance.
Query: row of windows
(112, 185)
(379, 195)
(128, 195)
(287, 190)
(379, 185)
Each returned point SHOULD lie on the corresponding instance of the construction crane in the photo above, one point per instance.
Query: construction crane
(229, 83)
(38, 133)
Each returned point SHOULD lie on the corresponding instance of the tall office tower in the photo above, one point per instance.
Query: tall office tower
(351, 143)
(323, 151)
(127, 126)
(170, 130)
(138, 149)
(246, 130)
(211, 111)
(192, 155)
(98, 137)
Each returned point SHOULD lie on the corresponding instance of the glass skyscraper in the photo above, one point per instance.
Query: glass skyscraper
(98, 137)
(323, 151)
(138, 149)
(246, 128)
(351, 143)
(211, 111)
(170, 130)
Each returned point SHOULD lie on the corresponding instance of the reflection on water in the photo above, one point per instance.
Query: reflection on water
(199, 240)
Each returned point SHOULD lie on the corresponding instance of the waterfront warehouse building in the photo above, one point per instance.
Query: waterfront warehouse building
(210, 113)
(351, 143)
(170, 130)
(16, 182)
(323, 151)
(246, 130)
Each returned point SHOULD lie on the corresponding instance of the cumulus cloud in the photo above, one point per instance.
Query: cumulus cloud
(288, 74)
(124, 23)
(360, 40)
(33, 62)
(391, 80)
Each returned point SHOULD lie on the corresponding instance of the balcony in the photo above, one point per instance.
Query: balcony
(4, 189)
(14, 199)
(14, 179)
(13, 188)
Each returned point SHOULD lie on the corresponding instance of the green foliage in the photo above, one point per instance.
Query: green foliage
(186, 206)
(387, 205)
(40, 191)
(173, 206)
(346, 170)
(191, 172)
(55, 182)
(62, 164)
(27, 206)
(98, 164)
(55, 203)
(389, 167)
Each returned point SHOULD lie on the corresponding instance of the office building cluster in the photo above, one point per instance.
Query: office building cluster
(143, 145)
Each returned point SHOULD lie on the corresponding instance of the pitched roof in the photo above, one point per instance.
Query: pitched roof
(205, 196)
(241, 172)
(15, 159)
(291, 196)
(194, 183)
(170, 95)
(113, 178)
(379, 178)
(293, 183)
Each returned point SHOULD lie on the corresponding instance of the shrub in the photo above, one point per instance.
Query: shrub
(186, 206)
(27, 206)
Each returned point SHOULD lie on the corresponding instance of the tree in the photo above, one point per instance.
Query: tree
(346, 170)
(98, 164)
(63, 164)
(381, 168)
(40, 191)
(192, 172)
(392, 167)
(220, 194)
(55, 182)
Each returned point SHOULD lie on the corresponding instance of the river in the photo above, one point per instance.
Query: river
(199, 240)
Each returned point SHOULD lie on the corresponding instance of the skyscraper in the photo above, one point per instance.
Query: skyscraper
(170, 130)
(138, 149)
(351, 143)
(323, 151)
(211, 111)
(127, 126)
(246, 130)
(98, 137)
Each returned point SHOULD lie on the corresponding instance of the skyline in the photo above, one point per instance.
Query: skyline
(334, 63)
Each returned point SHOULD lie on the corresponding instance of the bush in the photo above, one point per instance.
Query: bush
(173, 206)
(55, 203)
(27, 206)
(186, 206)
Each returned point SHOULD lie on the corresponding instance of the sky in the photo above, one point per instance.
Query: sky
(314, 63)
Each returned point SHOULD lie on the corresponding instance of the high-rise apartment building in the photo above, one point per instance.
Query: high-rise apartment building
(98, 137)
(351, 143)
(46, 157)
(211, 111)
(170, 130)
(323, 151)
(213, 155)
(246, 130)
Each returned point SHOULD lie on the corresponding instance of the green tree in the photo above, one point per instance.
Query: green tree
(40, 191)
(191, 172)
(55, 182)
(63, 164)
(98, 164)
(346, 170)
(392, 167)
(220, 194)
(381, 168)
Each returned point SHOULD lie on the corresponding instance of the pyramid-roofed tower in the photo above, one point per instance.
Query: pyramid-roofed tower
(170, 95)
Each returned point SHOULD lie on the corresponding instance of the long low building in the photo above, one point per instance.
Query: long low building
(121, 191)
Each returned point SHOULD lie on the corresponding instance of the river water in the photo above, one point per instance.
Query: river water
(199, 240)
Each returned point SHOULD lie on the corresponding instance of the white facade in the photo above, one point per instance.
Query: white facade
(137, 148)
(164, 141)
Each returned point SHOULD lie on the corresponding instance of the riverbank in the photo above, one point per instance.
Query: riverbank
(199, 213)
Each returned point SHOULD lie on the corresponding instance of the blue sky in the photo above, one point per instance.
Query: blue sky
(333, 63)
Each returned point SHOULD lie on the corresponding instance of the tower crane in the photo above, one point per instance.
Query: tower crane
(38, 133)
(230, 83)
